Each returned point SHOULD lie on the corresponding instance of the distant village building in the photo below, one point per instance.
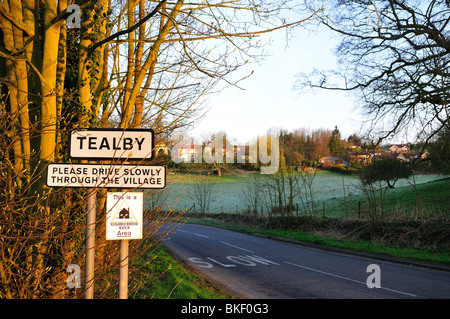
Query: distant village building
(398, 151)
(193, 153)
(378, 154)
(403, 153)
(336, 160)
(400, 148)
(360, 157)
(187, 152)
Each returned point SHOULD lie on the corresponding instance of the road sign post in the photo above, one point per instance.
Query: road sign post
(124, 221)
(123, 269)
(90, 243)
(110, 144)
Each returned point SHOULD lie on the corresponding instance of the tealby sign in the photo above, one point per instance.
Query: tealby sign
(124, 210)
(97, 144)
(124, 215)
(109, 176)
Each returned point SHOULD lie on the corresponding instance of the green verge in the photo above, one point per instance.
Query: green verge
(162, 277)
(356, 245)
(432, 200)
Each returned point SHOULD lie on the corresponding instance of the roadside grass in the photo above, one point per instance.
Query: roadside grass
(432, 200)
(160, 276)
(437, 255)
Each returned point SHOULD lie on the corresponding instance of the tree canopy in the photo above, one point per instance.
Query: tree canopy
(387, 170)
(395, 55)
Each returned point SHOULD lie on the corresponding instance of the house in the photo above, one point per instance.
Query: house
(407, 157)
(360, 157)
(378, 154)
(403, 153)
(335, 160)
(399, 148)
(187, 152)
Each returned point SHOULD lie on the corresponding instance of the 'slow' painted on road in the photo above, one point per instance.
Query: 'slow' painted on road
(232, 261)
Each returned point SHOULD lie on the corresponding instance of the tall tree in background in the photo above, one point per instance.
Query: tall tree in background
(317, 145)
(396, 56)
(439, 150)
(336, 145)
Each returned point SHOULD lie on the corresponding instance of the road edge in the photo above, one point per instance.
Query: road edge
(406, 261)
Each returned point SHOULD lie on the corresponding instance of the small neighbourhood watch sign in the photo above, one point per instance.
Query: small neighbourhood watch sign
(124, 217)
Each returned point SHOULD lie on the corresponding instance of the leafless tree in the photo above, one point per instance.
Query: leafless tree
(395, 55)
(202, 191)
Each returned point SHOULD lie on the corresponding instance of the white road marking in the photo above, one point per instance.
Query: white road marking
(200, 235)
(243, 260)
(225, 243)
(349, 279)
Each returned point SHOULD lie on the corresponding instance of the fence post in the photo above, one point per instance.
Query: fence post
(323, 210)
(359, 209)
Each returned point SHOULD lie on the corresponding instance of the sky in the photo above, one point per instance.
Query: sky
(269, 100)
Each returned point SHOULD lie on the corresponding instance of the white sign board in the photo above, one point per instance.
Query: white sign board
(96, 144)
(109, 176)
(124, 215)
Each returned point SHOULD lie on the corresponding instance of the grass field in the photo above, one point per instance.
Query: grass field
(340, 193)
(432, 200)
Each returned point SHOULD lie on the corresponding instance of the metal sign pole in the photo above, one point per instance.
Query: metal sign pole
(124, 223)
(90, 243)
(123, 269)
(123, 265)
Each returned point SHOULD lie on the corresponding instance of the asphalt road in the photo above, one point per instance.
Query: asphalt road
(261, 268)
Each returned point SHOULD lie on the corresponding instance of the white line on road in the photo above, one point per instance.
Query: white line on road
(200, 235)
(345, 278)
(237, 247)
